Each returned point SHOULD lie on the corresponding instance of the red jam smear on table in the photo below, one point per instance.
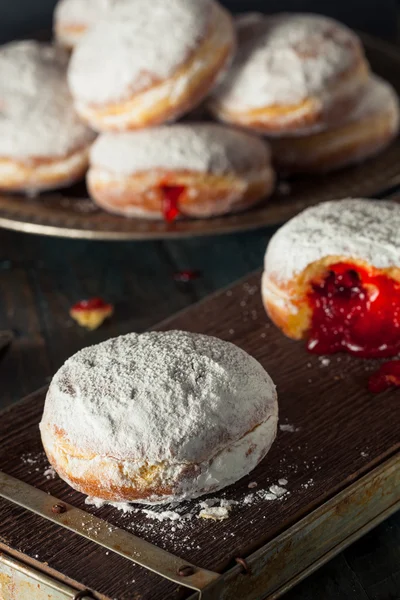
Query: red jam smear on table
(91, 304)
(185, 276)
(387, 376)
(355, 310)
(171, 196)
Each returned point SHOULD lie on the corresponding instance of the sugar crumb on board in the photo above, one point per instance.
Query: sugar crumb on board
(324, 361)
(215, 513)
(287, 427)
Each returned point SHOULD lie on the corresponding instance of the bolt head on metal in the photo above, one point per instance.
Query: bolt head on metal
(58, 508)
(186, 571)
(243, 565)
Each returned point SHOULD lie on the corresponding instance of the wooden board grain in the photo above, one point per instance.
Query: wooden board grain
(70, 213)
(341, 432)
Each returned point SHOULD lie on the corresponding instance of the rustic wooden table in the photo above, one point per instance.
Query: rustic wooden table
(40, 278)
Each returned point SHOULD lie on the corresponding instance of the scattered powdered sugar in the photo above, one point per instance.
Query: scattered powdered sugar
(364, 454)
(35, 461)
(308, 484)
(165, 515)
(50, 473)
(216, 513)
(252, 485)
(287, 427)
(32, 458)
(37, 118)
(325, 362)
(214, 508)
(201, 147)
(277, 490)
(368, 230)
(284, 59)
(136, 45)
(267, 496)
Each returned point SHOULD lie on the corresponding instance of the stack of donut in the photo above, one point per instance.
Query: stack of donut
(296, 84)
(303, 81)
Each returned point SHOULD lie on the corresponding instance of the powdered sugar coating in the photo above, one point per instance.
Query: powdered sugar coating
(156, 397)
(37, 118)
(378, 96)
(367, 230)
(137, 45)
(206, 148)
(81, 12)
(286, 58)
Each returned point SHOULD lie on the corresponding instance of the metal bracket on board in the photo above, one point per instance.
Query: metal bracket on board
(100, 532)
(16, 579)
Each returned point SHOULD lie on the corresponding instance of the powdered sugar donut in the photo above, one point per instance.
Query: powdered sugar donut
(73, 18)
(149, 62)
(368, 129)
(158, 417)
(43, 144)
(332, 276)
(293, 73)
(196, 170)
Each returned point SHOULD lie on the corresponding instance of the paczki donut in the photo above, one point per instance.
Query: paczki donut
(292, 74)
(195, 170)
(73, 18)
(332, 276)
(158, 417)
(366, 131)
(43, 144)
(149, 62)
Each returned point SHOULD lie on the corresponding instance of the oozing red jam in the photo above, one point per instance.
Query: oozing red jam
(171, 196)
(91, 304)
(355, 310)
(387, 376)
(185, 276)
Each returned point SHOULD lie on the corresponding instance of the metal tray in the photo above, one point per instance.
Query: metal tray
(338, 450)
(70, 213)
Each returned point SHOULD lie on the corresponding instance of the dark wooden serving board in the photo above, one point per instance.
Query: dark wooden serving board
(70, 212)
(342, 433)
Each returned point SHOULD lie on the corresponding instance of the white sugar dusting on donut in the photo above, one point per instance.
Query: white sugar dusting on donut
(198, 410)
(37, 118)
(283, 59)
(108, 397)
(82, 12)
(135, 46)
(208, 148)
(378, 96)
(363, 229)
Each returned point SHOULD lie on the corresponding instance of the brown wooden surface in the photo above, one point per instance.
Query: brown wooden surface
(343, 432)
(70, 213)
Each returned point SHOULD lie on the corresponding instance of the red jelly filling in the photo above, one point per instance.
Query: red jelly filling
(171, 196)
(355, 310)
(387, 376)
(92, 304)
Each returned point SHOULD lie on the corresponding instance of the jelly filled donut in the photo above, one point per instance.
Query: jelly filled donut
(158, 417)
(43, 144)
(148, 62)
(332, 276)
(292, 74)
(73, 18)
(367, 130)
(196, 170)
